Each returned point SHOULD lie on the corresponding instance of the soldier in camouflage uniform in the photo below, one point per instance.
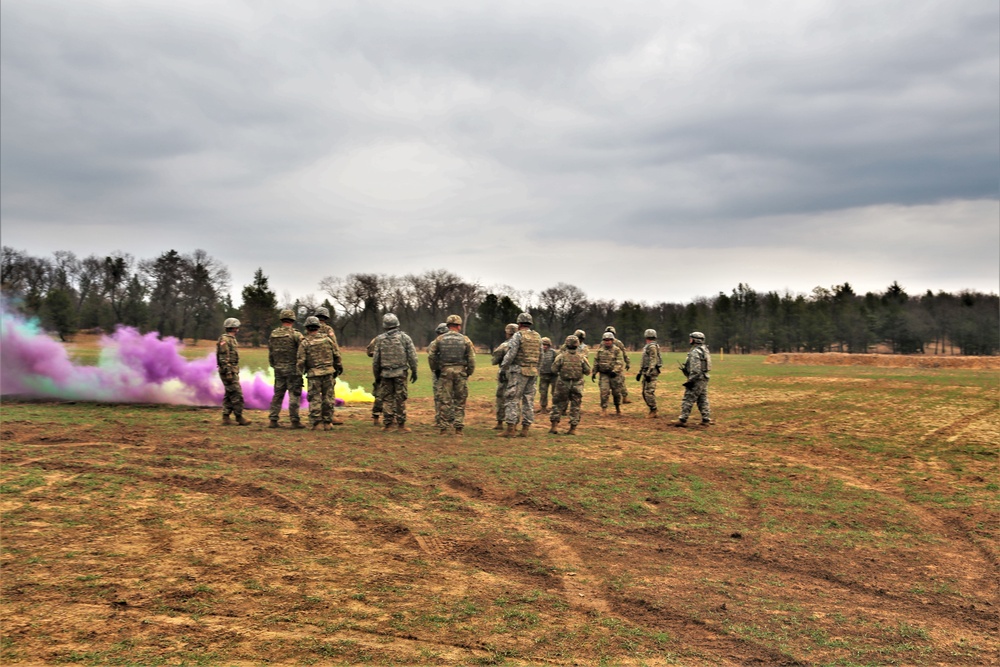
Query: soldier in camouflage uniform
(319, 359)
(377, 404)
(495, 360)
(609, 364)
(282, 355)
(452, 358)
(582, 348)
(696, 369)
(622, 385)
(546, 376)
(394, 353)
(436, 383)
(324, 324)
(227, 358)
(520, 363)
(649, 370)
(570, 368)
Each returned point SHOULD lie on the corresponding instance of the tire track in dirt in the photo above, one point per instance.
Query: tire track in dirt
(950, 432)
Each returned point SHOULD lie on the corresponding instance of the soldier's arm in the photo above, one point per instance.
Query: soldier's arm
(513, 345)
(300, 360)
(586, 366)
(470, 353)
(432, 360)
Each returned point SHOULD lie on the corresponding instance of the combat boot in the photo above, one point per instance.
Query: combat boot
(510, 431)
(272, 423)
(706, 422)
(604, 412)
(386, 425)
(499, 426)
(572, 430)
(458, 431)
(681, 423)
(316, 426)
(297, 424)
(443, 430)
(618, 410)
(553, 430)
(374, 420)
(327, 426)
(241, 421)
(402, 428)
(652, 414)
(336, 422)
(226, 421)
(524, 430)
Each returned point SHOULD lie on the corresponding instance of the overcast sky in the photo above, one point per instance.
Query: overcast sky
(642, 150)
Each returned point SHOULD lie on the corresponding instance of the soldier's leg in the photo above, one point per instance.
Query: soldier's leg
(623, 385)
(377, 403)
(227, 398)
(314, 392)
(235, 392)
(280, 387)
(328, 399)
(649, 392)
(688, 402)
(528, 400)
(703, 407)
(294, 398)
(446, 414)
(575, 401)
(604, 383)
(616, 389)
(460, 397)
(387, 387)
(401, 395)
(511, 397)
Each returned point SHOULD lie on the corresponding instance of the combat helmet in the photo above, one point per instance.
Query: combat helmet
(390, 321)
(510, 329)
(287, 315)
(524, 318)
(441, 328)
(453, 319)
(572, 341)
(580, 334)
(611, 329)
(697, 335)
(312, 322)
(650, 333)
(546, 341)
(323, 312)
(231, 323)
(608, 336)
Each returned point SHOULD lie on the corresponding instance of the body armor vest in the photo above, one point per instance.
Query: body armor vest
(391, 352)
(530, 349)
(545, 361)
(319, 353)
(572, 365)
(451, 349)
(605, 359)
(284, 345)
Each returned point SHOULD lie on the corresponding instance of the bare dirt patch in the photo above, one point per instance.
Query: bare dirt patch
(882, 360)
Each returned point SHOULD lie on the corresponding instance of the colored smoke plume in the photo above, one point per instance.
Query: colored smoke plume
(132, 368)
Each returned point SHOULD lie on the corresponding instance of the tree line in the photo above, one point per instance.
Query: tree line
(187, 296)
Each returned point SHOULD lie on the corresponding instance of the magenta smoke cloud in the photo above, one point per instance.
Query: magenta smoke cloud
(132, 368)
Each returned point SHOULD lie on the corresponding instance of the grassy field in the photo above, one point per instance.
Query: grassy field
(833, 516)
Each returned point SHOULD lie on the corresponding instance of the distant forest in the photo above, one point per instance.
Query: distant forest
(187, 296)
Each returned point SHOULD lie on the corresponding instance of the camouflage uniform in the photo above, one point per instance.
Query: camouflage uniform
(696, 369)
(282, 355)
(452, 359)
(394, 353)
(609, 364)
(520, 363)
(227, 358)
(319, 359)
(649, 370)
(570, 368)
(495, 359)
(546, 376)
(377, 405)
(620, 379)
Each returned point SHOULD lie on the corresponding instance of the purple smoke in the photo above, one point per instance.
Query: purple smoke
(132, 368)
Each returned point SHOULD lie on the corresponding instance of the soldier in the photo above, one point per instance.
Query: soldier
(569, 366)
(495, 360)
(436, 382)
(393, 354)
(609, 364)
(582, 348)
(377, 404)
(696, 369)
(546, 376)
(227, 358)
(319, 359)
(622, 385)
(324, 324)
(649, 370)
(282, 355)
(520, 363)
(452, 358)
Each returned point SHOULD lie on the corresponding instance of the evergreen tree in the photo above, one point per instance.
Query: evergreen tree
(259, 310)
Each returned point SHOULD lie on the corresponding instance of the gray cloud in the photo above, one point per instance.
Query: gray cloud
(257, 131)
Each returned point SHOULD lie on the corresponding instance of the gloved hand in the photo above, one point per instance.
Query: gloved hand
(593, 377)
(413, 376)
(437, 375)
(503, 376)
(638, 376)
(688, 384)
(612, 374)
(339, 368)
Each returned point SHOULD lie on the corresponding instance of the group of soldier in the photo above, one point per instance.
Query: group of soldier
(527, 363)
